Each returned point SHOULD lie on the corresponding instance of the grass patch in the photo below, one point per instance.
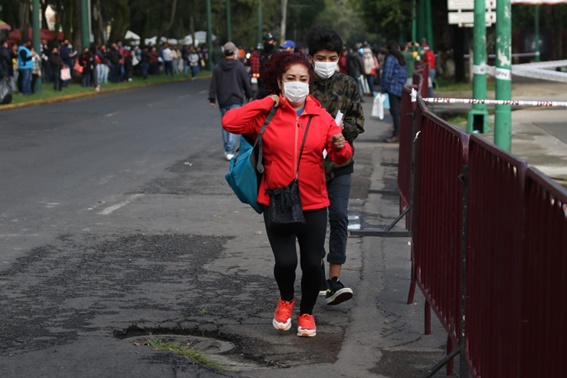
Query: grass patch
(76, 89)
(180, 349)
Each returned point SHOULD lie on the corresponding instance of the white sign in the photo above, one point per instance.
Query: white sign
(469, 4)
(467, 18)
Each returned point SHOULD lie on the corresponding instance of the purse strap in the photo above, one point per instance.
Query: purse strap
(296, 163)
(258, 141)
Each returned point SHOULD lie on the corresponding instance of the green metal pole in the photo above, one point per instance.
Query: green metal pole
(429, 27)
(414, 22)
(85, 32)
(503, 74)
(260, 22)
(228, 23)
(421, 22)
(209, 35)
(536, 36)
(478, 116)
(36, 36)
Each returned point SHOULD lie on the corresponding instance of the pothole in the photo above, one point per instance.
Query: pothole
(208, 351)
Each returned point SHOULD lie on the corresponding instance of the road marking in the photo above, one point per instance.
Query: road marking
(119, 205)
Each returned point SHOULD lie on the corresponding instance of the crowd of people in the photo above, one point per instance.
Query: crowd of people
(59, 63)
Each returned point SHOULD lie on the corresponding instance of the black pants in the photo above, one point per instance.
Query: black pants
(311, 241)
(395, 111)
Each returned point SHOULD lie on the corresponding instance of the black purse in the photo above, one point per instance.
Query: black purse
(285, 212)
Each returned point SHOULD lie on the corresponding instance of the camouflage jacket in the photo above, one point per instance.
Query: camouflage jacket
(340, 92)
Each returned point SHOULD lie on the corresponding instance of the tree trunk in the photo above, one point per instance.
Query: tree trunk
(283, 22)
(121, 21)
(24, 19)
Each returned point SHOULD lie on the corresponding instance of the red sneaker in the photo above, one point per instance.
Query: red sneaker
(306, 325)
(282, 316)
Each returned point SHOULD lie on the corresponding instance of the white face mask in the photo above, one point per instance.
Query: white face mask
(295, 91)
(325, 69)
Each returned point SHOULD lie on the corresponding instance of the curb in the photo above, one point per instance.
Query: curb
(86, 94)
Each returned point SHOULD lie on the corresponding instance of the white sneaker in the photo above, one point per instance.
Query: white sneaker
(229, 156)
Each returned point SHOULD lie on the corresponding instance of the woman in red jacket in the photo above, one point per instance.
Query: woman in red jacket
(287, 78)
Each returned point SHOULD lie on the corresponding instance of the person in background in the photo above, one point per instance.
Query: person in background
(355, 69)
(86, 61)
(254, 63)
(194, 62)
(429, 57)
(102, 65)
(336, 92)
(44, 54)
(394, 76)
(268, 49)
(6, 59)
(36, 69)
(286, 80)
(370, 65)
(167, 56)
(56, 64)
(288, 47)
(343, 62)
(145, 62)
(25, 65)
(230, 87)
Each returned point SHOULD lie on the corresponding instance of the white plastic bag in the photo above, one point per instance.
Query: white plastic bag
(378, 106)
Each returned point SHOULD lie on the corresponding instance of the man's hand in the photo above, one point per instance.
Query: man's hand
(338, 141)
(212, 104)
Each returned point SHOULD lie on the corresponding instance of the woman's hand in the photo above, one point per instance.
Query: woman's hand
(338, 141)
(276, 99)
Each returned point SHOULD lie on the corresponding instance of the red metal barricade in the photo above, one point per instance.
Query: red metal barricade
(404, 153)
(544, 283)
(441, 151)
(493, 260)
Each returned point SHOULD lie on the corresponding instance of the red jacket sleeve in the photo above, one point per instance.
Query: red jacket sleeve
(249, 118)
(338, 155)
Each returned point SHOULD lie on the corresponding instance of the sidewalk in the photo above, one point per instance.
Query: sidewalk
(539, 135)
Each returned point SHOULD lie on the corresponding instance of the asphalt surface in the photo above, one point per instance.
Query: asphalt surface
(117, 227)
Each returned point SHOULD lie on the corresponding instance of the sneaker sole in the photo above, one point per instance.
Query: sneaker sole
(323, 292)
(306, 332)
(282, 326)
(340, 296)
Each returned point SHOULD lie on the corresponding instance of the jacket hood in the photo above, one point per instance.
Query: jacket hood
(228, 64)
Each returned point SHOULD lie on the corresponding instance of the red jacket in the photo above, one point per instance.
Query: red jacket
(278, 146)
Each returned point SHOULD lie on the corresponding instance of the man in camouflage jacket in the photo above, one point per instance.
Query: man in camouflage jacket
(336, 92)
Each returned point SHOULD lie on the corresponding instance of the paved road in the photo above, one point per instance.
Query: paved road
(116, 223)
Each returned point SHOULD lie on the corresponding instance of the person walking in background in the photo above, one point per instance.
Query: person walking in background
(268, 49)
(254, 63)
(394, 77)
(355, 69)
(298, 115)
(336, 92)
(194, 61)
(230, 87)
(370, 66)
(288, 47)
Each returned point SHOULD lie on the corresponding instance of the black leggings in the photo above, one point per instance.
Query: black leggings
(311, 241)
